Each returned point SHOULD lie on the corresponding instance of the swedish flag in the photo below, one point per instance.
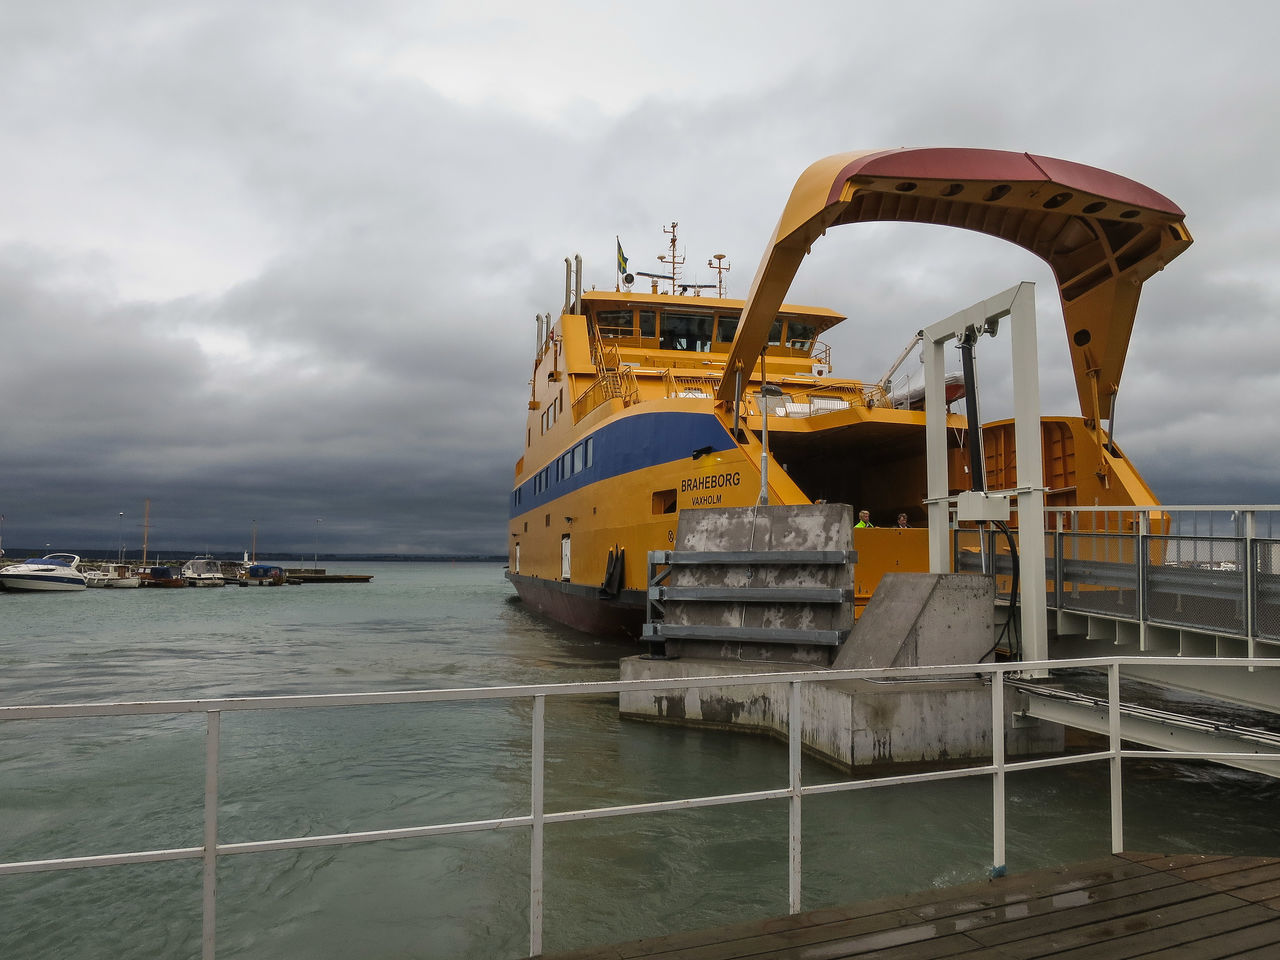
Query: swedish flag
(622, 258)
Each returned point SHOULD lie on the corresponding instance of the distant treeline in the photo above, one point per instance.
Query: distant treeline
(234, 556)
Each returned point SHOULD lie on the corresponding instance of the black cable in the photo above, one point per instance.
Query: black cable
(1010, 628)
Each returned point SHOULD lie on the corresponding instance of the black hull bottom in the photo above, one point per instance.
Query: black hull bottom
(582, 608)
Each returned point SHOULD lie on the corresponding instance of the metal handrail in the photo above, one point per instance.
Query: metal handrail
(538, 817)
(1194, 557)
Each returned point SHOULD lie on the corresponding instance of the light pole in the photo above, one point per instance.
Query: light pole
(122, 536)
(315, 562)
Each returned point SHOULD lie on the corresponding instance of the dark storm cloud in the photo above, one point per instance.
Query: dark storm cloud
(277, 263)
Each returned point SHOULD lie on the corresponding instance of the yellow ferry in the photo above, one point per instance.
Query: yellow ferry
(645, 404)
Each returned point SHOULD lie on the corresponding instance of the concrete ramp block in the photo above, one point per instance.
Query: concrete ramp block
(923, 619)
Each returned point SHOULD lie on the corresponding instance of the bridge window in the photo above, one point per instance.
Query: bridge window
(683, 330)
(726, 327)
(615, 323)
(579, 457)
(775, 333)
(799, 335)
(591, 446)
(648, 324)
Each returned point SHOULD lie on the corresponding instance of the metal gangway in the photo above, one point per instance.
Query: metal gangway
(1159, 581)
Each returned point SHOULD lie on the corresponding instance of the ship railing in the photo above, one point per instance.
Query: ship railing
(685, 385)
(799, 401)
(608, 385)
(1195, 580)
(209, 848)
(604, 354)
(821, 354)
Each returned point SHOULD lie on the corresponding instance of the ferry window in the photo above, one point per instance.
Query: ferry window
(685, 331)
(775, 333)
(664, 501)
(726, 327)
(799, 335)
(528, 437)
(578, 453)
(548, 519)
(648, 323)
(614, 323)
(566, 466)
(591, 446)
(560, 401)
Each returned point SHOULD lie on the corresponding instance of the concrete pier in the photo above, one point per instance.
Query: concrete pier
(736, 606)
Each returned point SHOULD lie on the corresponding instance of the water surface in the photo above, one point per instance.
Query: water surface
(76, 787)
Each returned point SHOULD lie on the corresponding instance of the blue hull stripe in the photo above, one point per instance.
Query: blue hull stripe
(41, 578)
(632, 443)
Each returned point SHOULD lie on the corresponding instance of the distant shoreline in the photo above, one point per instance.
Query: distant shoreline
(233, 556)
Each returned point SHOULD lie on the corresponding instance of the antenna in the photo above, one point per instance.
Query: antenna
(674, 260)
(718, 264)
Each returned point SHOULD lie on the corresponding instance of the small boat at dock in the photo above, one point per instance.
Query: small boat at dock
(262, 575)
(114, 575)
(161, 576)
(55, 572)
(203, 572)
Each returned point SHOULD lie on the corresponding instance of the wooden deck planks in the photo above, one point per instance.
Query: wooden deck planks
(1186, 907)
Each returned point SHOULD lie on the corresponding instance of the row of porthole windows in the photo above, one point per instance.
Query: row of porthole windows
(575, 460)
(554, 409)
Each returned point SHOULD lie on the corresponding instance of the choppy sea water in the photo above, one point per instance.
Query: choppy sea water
(79, 787)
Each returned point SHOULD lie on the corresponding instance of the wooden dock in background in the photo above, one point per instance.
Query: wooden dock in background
(1188, 907)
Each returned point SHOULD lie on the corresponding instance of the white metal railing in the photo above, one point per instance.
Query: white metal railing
(1169, 570)
(538, 817)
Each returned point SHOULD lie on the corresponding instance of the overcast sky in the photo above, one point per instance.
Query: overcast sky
(280, 261)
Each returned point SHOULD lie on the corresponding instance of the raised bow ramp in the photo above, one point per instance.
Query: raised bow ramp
(1103, 235)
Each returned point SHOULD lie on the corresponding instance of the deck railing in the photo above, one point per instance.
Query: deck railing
(1175, 572)
(209, 849)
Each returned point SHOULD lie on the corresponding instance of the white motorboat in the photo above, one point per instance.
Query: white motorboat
(57, 571)
(114, 575)
(203, 572)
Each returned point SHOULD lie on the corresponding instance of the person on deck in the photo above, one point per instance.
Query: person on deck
(864, 519)
(902, 521)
